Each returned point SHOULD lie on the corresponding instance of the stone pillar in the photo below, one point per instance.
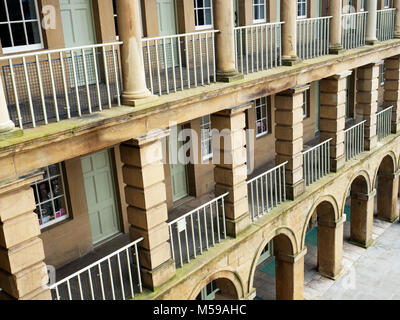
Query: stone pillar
(330, 247)
(225, 41)
(362, 218)
(23, 274)
(5, 123)
(145, 193)
(388, 186)
(230, 172)
(289, 138)
(367, 101)
(392, 89)
(371, 6)
(396, 4)
(289, 32)
(133, 74)
(335, 28)
(332, 115)
(289, 270)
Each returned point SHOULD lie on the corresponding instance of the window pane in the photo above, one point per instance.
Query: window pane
(18, 34)
(200, 4)
(200, 15)
(54, 170)
(14, 10)
(5, 36)
(256, 12)
(44, 191)
(208, 16)
(59, 206)
(33, 32)
(29, 9)
(47, 212)
(57, 187)
(3, 15)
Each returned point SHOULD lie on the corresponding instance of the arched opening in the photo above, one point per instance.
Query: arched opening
(218, 289)
(278, 275)
(386, 184)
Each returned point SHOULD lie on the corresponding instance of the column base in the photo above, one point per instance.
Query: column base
(336, 49)
(293, 191)
(230, 76)
(137, 99)
(371, 42)
(332, 277)
(337, 164)
(397, 35)
(158, 276)
(6, 126)
(235, 227)
(290, 61)
(392, 220)
(12, 133)
(362, 244)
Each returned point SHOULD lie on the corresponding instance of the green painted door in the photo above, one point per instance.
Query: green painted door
(100, 195)
(167, 25)
(178, 169)
(78, 26)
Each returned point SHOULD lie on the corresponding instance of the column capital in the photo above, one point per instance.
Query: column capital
(10, 185)
(363, 196)
(150, 137)
(281, 256)
(295, 90)
(332, 224)
(235, 110)
(341, 75)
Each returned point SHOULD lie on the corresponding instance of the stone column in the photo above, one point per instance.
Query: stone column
(332, 115)
(230, 172)
(335, 28)
(289, 270)
(371, 6)
(145, 193)
(396, 4)
(362, 218)
(289, 32)
(289, 138)
(225, 41)
(392, 89)
(5, 123)
(388, 186)
(367, 101)
(330, 247)
(133, 74)
(23, 274)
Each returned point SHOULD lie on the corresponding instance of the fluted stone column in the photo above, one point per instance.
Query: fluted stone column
(230, 172)
(289, 270)
(396, 4)
(133, 74)
(388, 186)
(332, 114)
(367, 101)
(362, 218)
(371, 6)
(330, 247)
(289, 32)
(392, 90)
(5, 123)
(289, 138)
(23, 274)
(145, 193)
(225, 41)
(335, 28)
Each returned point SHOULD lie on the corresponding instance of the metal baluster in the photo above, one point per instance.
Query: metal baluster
(164, 48)
(150, 66)
(173, 62)
(116, 75)
(180, 62)
(138, 268)
(187, 244)
(158, 58)
(86, 80)
(41, 87)
(121, 277)
(111, 278)
(106, 77)
(193, 236)
(101, 282)
(205, 226)
(128, 261)
(199, 230)
(53, 86)
(212, 224)
(194, 61)
(28, 88)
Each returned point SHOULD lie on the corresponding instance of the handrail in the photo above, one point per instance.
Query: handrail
(356, 125)
(180, 35)
(259, 25)
(318, 145)
(316, 18)
(269, 171)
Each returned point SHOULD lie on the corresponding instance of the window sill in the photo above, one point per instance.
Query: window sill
(262, 134)
(55, 224)
(22, 49)
(203, 28)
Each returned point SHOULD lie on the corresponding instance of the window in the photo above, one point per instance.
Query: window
(116, 18)
(386, 4)
(51, 206)
(259, 11)
(301, 9)
(362, 5)
(20, 28)
(383, 69)
(306, 104)
(203, 14)
(261, 106)
(206, 137)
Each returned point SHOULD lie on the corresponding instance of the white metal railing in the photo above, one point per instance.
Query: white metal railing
(198, 230)
(316, 162)
(258, 47)
(385, 24)
(313, 37)
(114, 277)
(384, 123)
(266, 191)
(354, 27)
(52, 85)
(179, 62)
(354, 140)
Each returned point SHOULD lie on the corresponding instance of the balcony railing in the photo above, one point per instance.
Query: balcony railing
(114, 277)
(354, 140)
(385, 24)
(316, 162)
(313, 37)
(266, 191)
(198, 230)
(52, 85)
(258, 47)
(178, 62)
(354, 27)
(384, 123)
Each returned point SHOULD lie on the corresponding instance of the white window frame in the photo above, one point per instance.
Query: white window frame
(206, 137)
(196, 9)
(303, 3)
(261, 4)
(27, 47)
(306, 103)
(48, 179)
(261, 104)
(386, 4)
(362, 5)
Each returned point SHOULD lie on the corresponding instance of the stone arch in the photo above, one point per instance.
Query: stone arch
(228, 281)
(387, 163)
